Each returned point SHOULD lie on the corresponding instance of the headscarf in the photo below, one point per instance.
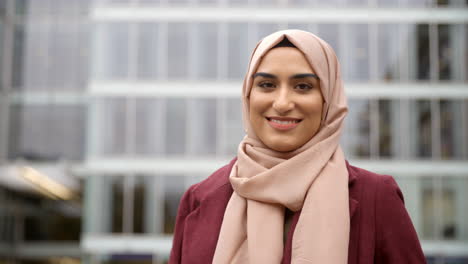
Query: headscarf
(312, 178)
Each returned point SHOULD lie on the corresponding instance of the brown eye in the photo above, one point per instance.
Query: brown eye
(304, 87)
(266, 85)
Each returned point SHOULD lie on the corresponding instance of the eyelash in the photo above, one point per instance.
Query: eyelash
(270, 85)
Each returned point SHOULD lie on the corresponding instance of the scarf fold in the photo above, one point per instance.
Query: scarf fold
(313, 178)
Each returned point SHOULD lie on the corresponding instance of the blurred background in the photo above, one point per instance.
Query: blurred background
(109, 110)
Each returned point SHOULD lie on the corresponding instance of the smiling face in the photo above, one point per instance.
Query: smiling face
(285, 100)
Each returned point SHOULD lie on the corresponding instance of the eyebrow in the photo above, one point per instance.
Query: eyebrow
(295, 76)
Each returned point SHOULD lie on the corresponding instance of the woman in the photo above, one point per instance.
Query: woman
(290, 196)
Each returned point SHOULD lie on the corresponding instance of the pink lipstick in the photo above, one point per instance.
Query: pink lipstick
(283, 123)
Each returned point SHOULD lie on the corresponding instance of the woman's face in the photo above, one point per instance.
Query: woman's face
(285, 100)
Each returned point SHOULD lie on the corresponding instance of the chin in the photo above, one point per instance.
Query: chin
(282, 147)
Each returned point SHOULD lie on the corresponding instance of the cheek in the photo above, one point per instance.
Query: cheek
(257, 106)
(313, 108)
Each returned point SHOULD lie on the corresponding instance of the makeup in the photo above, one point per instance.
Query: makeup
(283, 123)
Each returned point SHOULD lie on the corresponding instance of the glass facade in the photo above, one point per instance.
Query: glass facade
(122, 111)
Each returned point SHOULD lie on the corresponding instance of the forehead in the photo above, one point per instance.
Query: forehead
(284, 59)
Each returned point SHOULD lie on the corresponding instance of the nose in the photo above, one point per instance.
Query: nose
(283, 103)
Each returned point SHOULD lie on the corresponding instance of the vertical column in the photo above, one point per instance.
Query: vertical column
(154, 204)
(461, 208)
(5, 87)
(373, 54)
(464, 128)
(411, 188)
(374, 128)
(97, 205)
(128, 203)
(407, 130)
(191, 109)
(435, 128)
(221, 126)
(434, 52)
(458, 46)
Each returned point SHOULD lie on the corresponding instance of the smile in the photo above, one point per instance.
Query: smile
(283, 123)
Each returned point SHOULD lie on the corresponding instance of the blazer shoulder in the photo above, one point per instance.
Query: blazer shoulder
(217, 180)
(365, 177)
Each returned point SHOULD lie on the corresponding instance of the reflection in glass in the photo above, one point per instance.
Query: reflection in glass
(418, 3)
(18, 57)
(207, 51)
(47, 132)
(111, 51)
(208, 2)
(357, 48)
(176, 126)
(451, 128)
(1, 49)
(445, 52)
(301, 3)
(356, 3)
(423, 52)
(357, 130)
(177, 63)
(2, 8)
(268, 3)
(439, 208)
(423, 130)
(465, 56)
(265, 29)
(238, 53)
(174, 189)
(389, 52)
(147, 52)
(388, 3)
(117, 204)
(386, 130)
(113, 126)
(238, 2)
(139, 200)
(331, 34)
(302, 26)
(203, 126)
(149, 127)
(233, 126)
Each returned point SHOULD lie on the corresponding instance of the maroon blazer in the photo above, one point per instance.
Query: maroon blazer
(381, 229)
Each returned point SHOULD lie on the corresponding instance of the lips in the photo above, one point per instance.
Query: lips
(283, 123)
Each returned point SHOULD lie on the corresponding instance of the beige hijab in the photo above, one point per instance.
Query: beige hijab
(313, 178)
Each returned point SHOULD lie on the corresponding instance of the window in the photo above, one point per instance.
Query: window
(451, 129)
(238, 53)
(174, 189)
(445, 53)
(422, 51)
(147, 57)
(47, 132)
(356, 64)
(111, 51)
(356, 135)
(331, 34)
(234, 129)
(203, 126)
(207, 52)
(265, 29)
(390, 53)
(423, 130)
(111, 127)
(149, 126)
(177, 65)
(387, 133)
(176, 126)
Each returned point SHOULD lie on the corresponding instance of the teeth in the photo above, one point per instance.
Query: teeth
(284, 122)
